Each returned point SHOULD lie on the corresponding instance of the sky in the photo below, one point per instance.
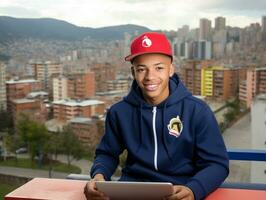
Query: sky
(154, 14)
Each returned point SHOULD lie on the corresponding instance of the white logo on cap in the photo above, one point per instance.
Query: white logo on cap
(146, 42)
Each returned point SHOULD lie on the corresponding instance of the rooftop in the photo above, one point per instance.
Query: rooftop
(22, 81)
(72, 102)
(20, 101)
(36, 94)
(81, 120)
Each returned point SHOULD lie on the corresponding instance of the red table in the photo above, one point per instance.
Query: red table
(237, 194)
(63, 189)
(52, 189)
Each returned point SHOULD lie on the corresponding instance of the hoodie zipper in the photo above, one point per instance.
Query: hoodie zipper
(155, 137)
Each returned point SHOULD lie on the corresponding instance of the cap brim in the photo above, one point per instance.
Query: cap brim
(130, 57)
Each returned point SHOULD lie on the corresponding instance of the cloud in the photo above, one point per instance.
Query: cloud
(17, 11)
(155, 14)
(235, 5)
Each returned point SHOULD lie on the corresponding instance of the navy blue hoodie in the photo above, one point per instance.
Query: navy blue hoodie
(196, 157)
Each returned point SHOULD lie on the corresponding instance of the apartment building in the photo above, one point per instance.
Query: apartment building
(81, 86)
(103, 72)
(190, 74)
(45, 71)
(19, 89)
(65, 110)
(60, 88)
(255, 83)
(219, 83)
(88, 130)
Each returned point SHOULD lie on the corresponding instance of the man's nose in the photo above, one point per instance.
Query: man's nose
(150, 74)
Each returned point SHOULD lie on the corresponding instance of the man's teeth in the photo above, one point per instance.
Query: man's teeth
(151, 87)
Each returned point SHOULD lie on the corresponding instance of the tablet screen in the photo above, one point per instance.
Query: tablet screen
(118, 190)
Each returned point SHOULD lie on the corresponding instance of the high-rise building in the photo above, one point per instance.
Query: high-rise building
(81, 86)
(103, 72)
(190, 74)
(263, 25)
(183, 33)
(205, 29)
(44, 72)
(2, 86)
(60, 88)
(258, 137)
(219, 23)
(202, 50)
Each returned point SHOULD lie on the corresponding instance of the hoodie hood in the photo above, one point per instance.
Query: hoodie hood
(177, 92)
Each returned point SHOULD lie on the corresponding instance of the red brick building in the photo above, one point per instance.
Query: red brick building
(19, 89)
(65, 110)
(81, 86)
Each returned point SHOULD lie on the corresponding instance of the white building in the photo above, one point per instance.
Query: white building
(258, 130)
(59, 88)
(44, 71)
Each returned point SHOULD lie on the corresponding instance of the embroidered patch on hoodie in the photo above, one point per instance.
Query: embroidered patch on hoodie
(175, 126)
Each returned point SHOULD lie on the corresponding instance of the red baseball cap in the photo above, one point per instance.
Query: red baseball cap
(150, 42)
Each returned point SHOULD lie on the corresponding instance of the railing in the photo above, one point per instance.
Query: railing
(45, 188)
(246, 155)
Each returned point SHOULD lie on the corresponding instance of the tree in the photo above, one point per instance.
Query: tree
(71, 145)
(233, 110)
(5, 120)
(52, 147)
(34, 134)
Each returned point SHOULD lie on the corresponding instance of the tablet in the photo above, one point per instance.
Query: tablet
(118, 190)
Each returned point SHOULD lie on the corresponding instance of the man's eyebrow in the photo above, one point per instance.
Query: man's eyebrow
(139, 65)
(160, 63)
(142, 65)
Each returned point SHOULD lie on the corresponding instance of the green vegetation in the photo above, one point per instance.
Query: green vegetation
(71, 145)
(232, 115)
(26, 163)
(5, 189)
(43, 145)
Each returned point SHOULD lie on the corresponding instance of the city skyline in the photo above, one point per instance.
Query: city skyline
(166, 15)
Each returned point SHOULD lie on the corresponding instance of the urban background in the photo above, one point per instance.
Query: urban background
(57, 81)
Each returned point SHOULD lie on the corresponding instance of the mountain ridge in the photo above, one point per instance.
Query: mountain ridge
(48, 28)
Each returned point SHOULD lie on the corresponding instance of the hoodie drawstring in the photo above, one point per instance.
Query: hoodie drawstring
(164, 139)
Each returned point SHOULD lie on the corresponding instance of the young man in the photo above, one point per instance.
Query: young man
(170, 135)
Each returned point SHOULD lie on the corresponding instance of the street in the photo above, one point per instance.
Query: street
(239, 136)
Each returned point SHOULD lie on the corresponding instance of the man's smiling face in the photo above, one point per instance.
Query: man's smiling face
(152, 72)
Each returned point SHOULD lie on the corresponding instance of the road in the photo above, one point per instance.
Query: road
(239, 136)
(85, 166)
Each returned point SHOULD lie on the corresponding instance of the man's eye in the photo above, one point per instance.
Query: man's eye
(140, 70)
(159, 68)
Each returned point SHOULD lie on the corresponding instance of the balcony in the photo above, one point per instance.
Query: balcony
(72, 187)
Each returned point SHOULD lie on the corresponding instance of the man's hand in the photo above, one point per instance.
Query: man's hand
(91, 192)
(181, 193)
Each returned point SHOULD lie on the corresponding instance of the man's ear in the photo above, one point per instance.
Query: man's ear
(132, 71)
(172, 70)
